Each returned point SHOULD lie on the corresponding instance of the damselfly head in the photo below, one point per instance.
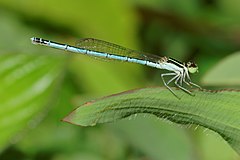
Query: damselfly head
(192, 67)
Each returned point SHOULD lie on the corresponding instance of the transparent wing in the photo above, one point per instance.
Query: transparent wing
(110, 48)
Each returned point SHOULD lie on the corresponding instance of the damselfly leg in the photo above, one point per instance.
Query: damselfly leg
(184, 89)
(166, 84)
(195, 85)
(190, 83)
(178, 79)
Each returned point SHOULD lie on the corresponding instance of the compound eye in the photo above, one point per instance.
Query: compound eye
(189, 64)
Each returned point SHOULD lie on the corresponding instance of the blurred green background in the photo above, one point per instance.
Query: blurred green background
(39, 85)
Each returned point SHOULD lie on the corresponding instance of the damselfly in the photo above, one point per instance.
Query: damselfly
(103, 49)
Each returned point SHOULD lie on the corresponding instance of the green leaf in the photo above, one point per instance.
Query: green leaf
(27, 84)
(216, 110)
(225, 72)
(162, 141)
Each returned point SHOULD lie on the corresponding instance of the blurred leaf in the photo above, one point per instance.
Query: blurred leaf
(55, 137)
(209, 140)
(27, 85)
(225, 72)
(155, 139)
(218, 110)
(52, 135)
